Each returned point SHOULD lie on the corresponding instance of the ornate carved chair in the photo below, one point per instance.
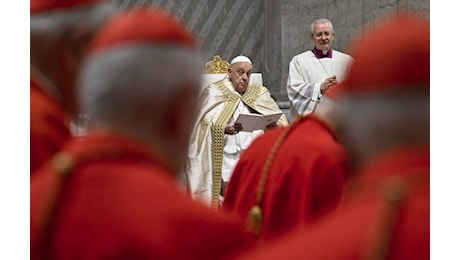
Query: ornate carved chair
(217, 66)
(216, 70)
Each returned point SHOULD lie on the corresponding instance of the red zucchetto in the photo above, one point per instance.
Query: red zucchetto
(142, 25)
(394, 56)
(37, 6)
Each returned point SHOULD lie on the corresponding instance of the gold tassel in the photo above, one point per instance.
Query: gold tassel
(254, 224)
(63, 163)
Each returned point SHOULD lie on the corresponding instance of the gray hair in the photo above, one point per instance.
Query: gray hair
(321, 20)
(387, 111)
(375, 123)
(53, 24)
(124, 82)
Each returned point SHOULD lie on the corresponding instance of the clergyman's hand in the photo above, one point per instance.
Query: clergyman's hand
(233, 129)
(238, 127)
(327, 83)
(271, 126)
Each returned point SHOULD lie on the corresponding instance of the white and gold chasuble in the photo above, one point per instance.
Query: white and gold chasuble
(219, 105)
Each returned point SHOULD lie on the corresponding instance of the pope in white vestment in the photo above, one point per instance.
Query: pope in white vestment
(316, 70)
(216, 142)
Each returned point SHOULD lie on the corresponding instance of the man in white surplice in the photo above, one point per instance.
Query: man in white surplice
(312, 72)
(217, 141)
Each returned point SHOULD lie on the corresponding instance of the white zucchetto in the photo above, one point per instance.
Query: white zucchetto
(241, 58)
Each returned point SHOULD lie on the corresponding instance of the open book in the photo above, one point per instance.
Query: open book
(251, 122)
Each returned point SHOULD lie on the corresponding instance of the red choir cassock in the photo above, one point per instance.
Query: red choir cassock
(107, 197)
(305, 180)
(49, 125)
(385, 215)
(49, 121)
(385, 211)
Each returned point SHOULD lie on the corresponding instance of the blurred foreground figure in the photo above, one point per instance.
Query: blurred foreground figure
(386, 209)
(59, 34)
(113, 194)
(292, 175)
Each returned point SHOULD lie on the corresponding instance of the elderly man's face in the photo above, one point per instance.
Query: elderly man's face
(322, 36)
(239, 74)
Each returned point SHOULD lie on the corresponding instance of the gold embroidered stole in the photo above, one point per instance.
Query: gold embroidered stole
(218, 131)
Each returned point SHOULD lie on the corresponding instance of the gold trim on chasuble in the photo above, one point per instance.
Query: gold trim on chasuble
(218, 131)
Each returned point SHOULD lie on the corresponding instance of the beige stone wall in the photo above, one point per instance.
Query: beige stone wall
(349, 17)
(271, 32)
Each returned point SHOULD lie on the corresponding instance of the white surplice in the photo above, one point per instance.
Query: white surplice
(306, 73)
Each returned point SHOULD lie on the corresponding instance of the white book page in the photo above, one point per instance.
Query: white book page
(252, 122)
